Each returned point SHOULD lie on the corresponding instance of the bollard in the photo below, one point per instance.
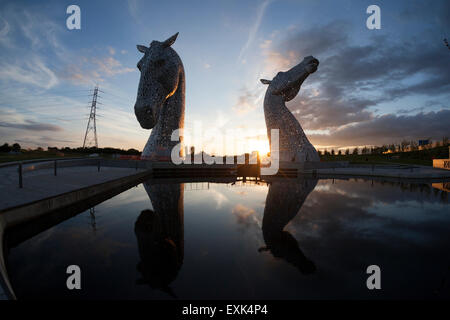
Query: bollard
(20, 175)
(98, 166)
(54, 168)
(192, 154)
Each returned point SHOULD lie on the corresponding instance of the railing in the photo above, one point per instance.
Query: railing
(57, 164)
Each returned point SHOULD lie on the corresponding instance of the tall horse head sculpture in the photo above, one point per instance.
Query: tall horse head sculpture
(160, 97)
(293, 143)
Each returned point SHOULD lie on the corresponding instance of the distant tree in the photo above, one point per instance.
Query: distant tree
(355, 151)
(365, 150)
(347, 152)
(39, 149)
(319, 152)
(404, 145)
(332, 152)
(5, 148)
(339, 152)
(16, 147)
(392, 147)
(133, 151)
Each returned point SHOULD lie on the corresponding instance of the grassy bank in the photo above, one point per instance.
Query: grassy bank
(419, 157)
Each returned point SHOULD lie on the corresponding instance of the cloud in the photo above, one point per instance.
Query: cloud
(133, 10)
(90, 70)
(389, 128)
(245, 216)
(247, 101)
(32, 126)
(5, 29)
(110, 66)
(253, 30)
(354, 79)
(111, 51)
(31, 71)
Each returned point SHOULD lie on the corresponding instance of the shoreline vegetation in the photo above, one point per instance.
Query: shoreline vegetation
(424, 157)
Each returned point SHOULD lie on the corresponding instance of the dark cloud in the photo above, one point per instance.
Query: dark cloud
(390, 128)
(315, 40)
(31, 125)
(354, 79)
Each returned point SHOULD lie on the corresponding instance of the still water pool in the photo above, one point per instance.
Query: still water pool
(290, 239)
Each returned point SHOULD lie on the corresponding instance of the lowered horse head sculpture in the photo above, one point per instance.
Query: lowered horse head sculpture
(293, 144)
(160, 97)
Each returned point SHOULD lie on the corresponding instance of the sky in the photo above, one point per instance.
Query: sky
(372, 87)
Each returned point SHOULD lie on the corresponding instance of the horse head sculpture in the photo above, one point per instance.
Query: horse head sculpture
(160, 97)
(293, 144)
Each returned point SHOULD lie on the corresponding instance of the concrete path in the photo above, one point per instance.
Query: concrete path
(40, 184)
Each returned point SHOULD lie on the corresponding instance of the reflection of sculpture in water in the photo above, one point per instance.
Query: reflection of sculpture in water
(159, 233)
(283, 202)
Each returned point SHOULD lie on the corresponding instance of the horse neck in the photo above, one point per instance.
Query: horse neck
(276, 113)
(172, 113)
(274, 104)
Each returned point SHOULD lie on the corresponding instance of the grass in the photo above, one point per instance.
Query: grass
(422, 157)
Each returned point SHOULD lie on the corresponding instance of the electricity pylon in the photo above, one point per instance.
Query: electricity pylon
(91, 125)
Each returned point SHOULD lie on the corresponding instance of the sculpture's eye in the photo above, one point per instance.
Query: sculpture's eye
(159, 63)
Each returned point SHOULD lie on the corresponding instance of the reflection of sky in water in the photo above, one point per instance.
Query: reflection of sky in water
(342, 227)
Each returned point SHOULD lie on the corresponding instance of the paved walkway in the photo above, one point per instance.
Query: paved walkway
(40, 184)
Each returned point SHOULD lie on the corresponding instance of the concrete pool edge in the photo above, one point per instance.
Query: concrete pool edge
(26, 212)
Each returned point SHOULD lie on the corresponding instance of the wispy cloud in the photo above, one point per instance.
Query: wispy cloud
(31, 125)
(253, 29)
(31, 71)
(355, 79)
(247, 101)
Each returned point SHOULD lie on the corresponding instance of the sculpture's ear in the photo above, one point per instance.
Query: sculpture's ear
(170, 41)
(264, 81)
(142, 49)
